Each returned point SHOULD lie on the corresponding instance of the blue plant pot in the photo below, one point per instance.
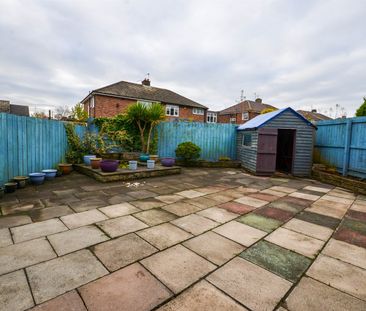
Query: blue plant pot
(144, 157)
(50, 174)
(37, 178)
(87, 159)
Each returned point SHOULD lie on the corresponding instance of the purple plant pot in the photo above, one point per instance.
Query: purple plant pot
(167, 162)
(109, 166)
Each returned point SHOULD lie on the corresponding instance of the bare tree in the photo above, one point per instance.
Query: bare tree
(62, 111)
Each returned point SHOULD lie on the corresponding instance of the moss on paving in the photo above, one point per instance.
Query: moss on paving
(260, 222)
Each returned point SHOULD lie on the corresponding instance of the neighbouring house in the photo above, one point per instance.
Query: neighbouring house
(18, 110)
(243, 111)
(313, 115)
(281, 140)
(114, 99)
(211, 116)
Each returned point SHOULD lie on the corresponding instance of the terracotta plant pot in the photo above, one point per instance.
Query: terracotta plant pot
(21, 181)
(154, 157)
(10, 187)
(95, 163)
(167, 162)
(109, 166)
(65, 168)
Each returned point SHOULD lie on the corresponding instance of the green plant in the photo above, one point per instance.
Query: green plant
(266, 110)
(361, 111)
(78, 113)
(74, 153)
(188, 151)
(224, 158)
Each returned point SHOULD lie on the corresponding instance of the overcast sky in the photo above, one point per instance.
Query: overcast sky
(303, 54)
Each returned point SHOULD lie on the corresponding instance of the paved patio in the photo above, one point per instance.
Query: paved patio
(214, 239)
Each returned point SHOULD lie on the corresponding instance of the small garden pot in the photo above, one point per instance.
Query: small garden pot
(150, 164)
(37, 178)
(1, 192)
(95, 163)
(65, 168)
(144, 157)
(21, 181)
(154, 157)
(10, 187)
(109, 166)
(167, 162)
(87, 159)
(132, 165)
(50, 174)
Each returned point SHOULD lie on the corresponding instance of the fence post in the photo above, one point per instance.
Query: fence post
(347, 144)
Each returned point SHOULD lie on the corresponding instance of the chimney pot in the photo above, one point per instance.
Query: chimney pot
(313, 110)
(146, 82)
(258, 100)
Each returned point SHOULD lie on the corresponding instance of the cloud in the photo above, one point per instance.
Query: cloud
(304, 54)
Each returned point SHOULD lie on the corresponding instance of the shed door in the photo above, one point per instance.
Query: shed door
(266, 151)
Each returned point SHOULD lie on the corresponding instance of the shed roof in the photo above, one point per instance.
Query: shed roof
(262, 119)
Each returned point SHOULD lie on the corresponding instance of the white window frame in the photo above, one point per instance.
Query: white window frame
(172, 108)
(232, 120)
(245, 116)
(198, 111)
(211, 117)
(250, 140)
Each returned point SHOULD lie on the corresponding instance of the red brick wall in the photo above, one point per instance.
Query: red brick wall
(105, 106)
(239, 120)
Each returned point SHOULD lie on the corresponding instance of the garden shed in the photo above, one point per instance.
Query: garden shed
(280, 140)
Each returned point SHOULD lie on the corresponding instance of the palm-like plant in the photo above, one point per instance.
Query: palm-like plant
(156, 114)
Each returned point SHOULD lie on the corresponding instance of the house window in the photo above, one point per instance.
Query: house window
(232, 120)
(92, 102)
(198, 111)
(144, 103)
(172, 110)
(247, 139)
(211, 117)
(245, 116)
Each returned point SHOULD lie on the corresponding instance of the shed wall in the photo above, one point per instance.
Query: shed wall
(304, 141)
(247, 155)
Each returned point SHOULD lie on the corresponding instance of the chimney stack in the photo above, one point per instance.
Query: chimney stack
(313, 110)
(146, 82)
(258, 100)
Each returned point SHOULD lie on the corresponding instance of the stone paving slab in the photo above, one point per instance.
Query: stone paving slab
(120, 252)
(57, 276)
(50, 212)
(155, 216)
(214, 247)
(201, 202)
(264, 196)
(254, 287)
(251, 201)
(305, 196)
(118, 210)
(354, 225)
(122, 225)
(310, 229)
(181, 208)
(18, 208)
(260, 222)
(318, 219)
(120, 198)
(194, 224)
(5, 238)
(169, 199)
(190, 194)
(328, 208)
(141, 194)
(317, 189)
(285, 206)
(274, 213)
(350, 236)
(283, 189)
(240, 233)
(14, 292)
(359, 206)
(132, 288)
(274, 192)
(278, 260)
(86, 205)
(296, 242)
(202, 297)
(12, 221)
(164, 235)
(70, 301)
(237, 208)
(219, 197)
(76, 239)
(346, 252)
(310, 294)
(338, 274)
(218, 214)
(83, 219)
(356, 215)
(21, 255)
(36, 230)
(147, 204)
(177, 267)
(337, 199)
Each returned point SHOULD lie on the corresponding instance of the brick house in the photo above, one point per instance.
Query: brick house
(114, 99)
(242, 112)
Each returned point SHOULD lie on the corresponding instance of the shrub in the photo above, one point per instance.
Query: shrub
(188, 151)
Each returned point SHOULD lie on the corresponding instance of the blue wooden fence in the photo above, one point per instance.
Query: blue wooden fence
(215, 140)
(30, 145)
(342, 143)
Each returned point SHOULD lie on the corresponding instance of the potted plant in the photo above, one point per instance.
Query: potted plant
(95, 163)
(65, 168)
(168, 162)
(10, 187)
(132, 165)
(87, 158)
(188, 151)
(37, 178)
(109, 166)
(49, 174)
(150, 164)
(21, 181)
